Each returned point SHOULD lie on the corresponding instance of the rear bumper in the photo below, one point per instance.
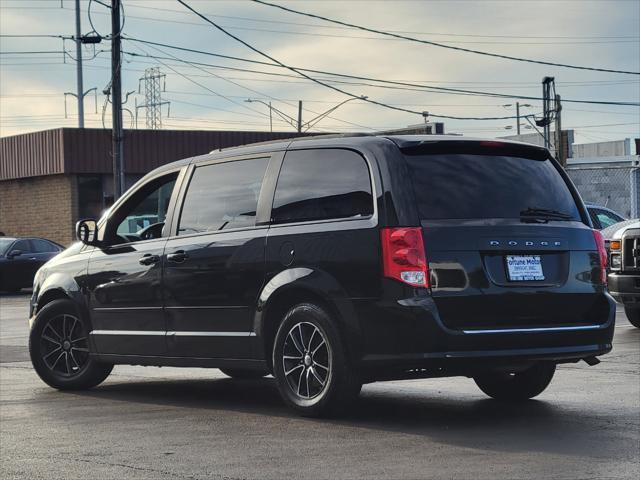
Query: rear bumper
(421, 341)
(625, 288)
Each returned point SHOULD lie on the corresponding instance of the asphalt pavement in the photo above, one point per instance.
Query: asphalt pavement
(170, 423)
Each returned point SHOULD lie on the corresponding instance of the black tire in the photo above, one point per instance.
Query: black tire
(633, 315)
(59, 348)
(316, 362)
(518, 386)
(243, 374)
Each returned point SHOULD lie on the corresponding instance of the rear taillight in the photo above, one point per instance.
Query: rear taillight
(602, 253)
(403, 256)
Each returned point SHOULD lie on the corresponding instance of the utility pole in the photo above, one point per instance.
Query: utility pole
(299, 116)
(116, 102)
(560, 151)
(546, 109)
(80, 88)
(270, 117)
(518, 117)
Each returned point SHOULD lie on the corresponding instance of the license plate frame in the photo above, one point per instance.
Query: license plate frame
(524, 268)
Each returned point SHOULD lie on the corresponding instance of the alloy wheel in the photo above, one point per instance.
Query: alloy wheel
(64, 345)
(306, 360)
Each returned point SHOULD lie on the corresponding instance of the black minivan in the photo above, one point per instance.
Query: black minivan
(331, 262)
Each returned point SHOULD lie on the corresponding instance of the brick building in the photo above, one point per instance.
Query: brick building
(52, 178)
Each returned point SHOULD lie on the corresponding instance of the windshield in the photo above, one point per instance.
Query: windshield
(487, 186)
(5, 243)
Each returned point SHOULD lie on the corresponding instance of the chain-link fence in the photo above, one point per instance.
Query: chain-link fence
(613, 186)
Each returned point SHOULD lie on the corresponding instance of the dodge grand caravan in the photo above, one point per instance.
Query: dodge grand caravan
(332, 262)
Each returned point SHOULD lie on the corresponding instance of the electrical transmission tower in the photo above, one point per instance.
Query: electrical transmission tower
(154, 84)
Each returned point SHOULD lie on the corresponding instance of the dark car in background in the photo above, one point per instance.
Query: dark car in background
(332, 262)
(20, 259)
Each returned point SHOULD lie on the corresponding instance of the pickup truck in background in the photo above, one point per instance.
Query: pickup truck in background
(624, 264)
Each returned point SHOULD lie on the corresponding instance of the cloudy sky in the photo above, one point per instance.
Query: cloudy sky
(603, 34)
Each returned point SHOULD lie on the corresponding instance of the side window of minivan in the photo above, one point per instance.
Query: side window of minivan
(222, 196)
(142, 216)
(322, 184)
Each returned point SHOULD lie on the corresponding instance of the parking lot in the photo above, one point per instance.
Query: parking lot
(159, 423)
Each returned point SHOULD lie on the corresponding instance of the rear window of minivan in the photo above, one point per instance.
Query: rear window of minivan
(466, 186)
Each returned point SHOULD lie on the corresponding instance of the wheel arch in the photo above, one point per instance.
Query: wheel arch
(303, 285)
(49, 296)
(60, 287)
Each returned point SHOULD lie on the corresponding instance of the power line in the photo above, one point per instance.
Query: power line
(35, 36)
(394, 83)
(207, 88)
(328, 35)
(374, 102)
(250, 89)
(32, 52)
(435, 44)
(258, 20)
(262, 72)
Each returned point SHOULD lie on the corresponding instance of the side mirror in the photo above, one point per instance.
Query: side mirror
(87, 231)
(14, 253)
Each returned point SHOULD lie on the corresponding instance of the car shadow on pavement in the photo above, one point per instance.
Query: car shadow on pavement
(535, 425)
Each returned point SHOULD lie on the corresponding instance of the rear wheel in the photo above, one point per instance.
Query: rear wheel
(59, 348)
(242, 373)
(517, 386)
(633, 315)
(310, 363)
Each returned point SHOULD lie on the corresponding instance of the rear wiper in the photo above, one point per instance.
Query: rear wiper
(545, 213)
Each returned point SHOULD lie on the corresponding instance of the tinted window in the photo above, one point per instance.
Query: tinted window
(22, 245)
(42, 246)
(322, 184)
(594, 218)
(147, 207)
(484, 186)
(223, 196)
(607, 219)
(5, 243)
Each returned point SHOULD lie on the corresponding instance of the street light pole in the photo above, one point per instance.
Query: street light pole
(270, 118)
(518, 116)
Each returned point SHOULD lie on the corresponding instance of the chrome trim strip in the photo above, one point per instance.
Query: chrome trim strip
(212, 334)
(177, 334)
(534, 330)
(202, 307)
(106, 309)
(128, 332)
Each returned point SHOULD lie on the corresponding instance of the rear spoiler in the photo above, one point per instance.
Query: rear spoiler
(473, 147)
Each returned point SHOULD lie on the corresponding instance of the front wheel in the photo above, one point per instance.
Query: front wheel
(633, 315)
(517, 386)
(59, 348)
(310, 363)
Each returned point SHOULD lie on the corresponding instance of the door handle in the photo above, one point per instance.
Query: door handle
(149, 259)
(177, 257)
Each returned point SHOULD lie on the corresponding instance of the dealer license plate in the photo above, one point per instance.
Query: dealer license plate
(523, 268)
